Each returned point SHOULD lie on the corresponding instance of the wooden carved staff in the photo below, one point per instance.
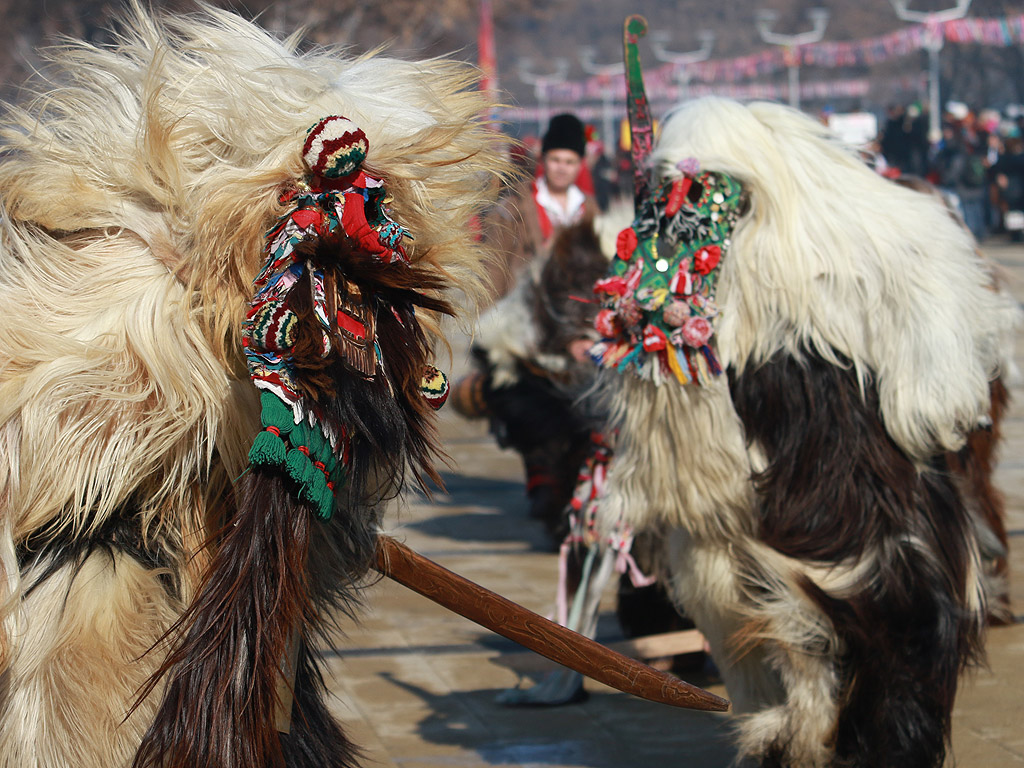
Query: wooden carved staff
(536, 633)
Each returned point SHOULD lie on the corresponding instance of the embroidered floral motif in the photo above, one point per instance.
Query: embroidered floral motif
(659, 309)
(625, 244)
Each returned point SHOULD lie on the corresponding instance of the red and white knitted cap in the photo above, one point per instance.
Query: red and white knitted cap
(335, 147)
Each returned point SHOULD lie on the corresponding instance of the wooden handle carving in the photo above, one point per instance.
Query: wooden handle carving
(533, 631)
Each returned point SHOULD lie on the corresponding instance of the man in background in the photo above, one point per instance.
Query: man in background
(524, 224)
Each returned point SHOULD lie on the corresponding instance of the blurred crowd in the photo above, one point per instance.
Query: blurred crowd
(978, 162)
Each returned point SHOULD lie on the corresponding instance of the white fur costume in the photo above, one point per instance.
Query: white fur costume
(833, 275)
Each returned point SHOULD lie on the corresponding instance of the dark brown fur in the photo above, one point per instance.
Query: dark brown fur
(564, 306)
(223, 672)
(975, 464)
(837, 487)
(541, 415)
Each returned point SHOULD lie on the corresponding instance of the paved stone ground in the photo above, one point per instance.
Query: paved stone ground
(416, 684)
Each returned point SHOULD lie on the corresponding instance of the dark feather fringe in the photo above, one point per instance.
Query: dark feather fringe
(836, 488)
(218, 709)
(390, 422)
(315, 740)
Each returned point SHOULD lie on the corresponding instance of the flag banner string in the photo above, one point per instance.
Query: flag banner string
(671, 95)
(1002, 32)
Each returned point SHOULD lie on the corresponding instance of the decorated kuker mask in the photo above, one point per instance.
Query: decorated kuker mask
(333, 343)
(331, 338)
(659, 297)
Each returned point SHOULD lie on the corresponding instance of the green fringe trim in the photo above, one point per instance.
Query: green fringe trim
(282, 450)
(268, 450)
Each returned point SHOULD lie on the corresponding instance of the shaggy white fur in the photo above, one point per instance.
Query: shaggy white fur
(829, 258)
(832, 256)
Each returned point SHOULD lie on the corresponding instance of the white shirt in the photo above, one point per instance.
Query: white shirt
(557, 215)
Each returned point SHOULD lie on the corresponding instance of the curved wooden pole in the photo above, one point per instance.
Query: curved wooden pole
(511, 620)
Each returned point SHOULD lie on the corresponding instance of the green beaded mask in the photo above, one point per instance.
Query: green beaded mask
(659, 309)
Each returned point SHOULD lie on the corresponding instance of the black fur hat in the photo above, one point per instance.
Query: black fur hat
(565, 131)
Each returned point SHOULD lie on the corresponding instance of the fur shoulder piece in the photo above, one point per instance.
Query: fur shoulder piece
(833, 256)
(137, 190)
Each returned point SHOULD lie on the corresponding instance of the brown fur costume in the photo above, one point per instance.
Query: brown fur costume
(136, 191)
(525, 379)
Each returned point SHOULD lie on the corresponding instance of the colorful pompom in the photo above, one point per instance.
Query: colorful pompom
(651, 299)
(335, 148)
(606, 324)
(625, 244)
(684, 282)
(676, 313)
(696, 331)
(434, 386)
(654, 339)
(613, 286)
(273, 327)
(689, 166)
(707, 258)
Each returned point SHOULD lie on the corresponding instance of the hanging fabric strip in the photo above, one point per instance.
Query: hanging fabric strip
(640, 130)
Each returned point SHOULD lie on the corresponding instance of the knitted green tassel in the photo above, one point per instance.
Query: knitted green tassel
(325, 506)
(321, 497)
(268, 450)
(297, 466)
(275, 413)
(271, 448)
(307, 491)
(319, 448)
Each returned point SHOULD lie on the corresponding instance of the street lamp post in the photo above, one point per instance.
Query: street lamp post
(605, 72)
(933, 44)
(765, 20)
(541, 83)
(682, 61)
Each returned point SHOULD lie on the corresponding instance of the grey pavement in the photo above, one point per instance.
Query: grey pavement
(416, 685)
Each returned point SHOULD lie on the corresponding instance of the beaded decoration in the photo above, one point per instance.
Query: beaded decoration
(658, 300)
(336, 198)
